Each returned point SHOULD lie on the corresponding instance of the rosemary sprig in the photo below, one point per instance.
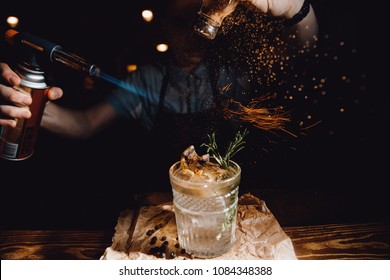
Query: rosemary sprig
(233, 148)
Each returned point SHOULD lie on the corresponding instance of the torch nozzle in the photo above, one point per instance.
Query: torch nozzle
(48, 50)
(74, 61)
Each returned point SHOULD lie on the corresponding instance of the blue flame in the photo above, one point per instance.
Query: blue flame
(120, 83)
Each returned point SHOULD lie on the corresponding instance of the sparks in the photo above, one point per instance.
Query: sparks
(268, 119)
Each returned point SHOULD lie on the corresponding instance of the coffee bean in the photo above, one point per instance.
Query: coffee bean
(153, 240)
(158, 226)
(154, 250)
(163, 248)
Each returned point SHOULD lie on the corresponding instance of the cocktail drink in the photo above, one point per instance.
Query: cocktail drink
(205, 205)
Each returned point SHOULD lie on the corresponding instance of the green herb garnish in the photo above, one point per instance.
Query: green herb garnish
(233, 148)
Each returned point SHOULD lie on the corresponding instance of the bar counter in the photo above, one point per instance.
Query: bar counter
(321, 225)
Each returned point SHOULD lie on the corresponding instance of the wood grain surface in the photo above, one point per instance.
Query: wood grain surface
(53, 245)
(365, 241)
(317, 231)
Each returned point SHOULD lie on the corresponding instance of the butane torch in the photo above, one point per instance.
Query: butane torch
(18, 143)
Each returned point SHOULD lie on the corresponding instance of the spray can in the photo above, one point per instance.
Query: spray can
(18, 143)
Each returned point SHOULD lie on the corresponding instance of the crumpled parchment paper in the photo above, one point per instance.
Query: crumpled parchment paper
(258, 234)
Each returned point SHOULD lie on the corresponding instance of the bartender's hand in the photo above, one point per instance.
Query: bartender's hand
(276, 8)
(13, 103)
(305, 31)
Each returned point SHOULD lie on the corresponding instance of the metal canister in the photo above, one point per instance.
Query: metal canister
(18, 143)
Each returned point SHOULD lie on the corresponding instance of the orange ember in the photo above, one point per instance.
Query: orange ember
(269, 119)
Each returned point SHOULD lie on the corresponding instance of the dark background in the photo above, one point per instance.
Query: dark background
(66, 181)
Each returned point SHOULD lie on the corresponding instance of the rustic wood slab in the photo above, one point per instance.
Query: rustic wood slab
(366, 241)
(316, 234)
(53, 245)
